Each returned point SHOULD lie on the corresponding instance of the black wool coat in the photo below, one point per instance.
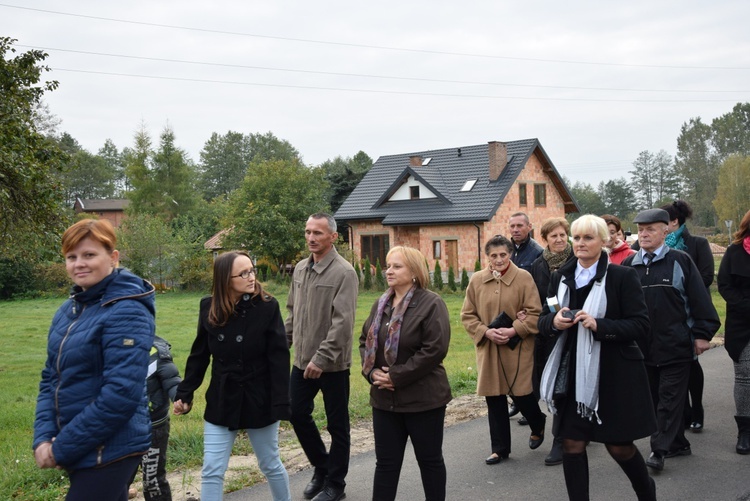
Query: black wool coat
(249, 385)
(625, 405)
(734, 287)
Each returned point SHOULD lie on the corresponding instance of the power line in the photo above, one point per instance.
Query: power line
(383, 77)
(409, 93)
(378, 47)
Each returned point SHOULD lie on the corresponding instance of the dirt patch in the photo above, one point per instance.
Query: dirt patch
(186, 485)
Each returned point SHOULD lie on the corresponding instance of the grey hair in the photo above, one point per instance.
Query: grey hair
(331, 221)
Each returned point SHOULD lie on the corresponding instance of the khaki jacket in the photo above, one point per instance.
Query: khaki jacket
(500, 370)
(321, 304)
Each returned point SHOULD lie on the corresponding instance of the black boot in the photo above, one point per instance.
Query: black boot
(555, 456)
(643, 485)
(743, 434)
(576, 470)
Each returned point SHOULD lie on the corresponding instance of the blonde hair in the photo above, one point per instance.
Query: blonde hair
(589, 223)
(416, 263)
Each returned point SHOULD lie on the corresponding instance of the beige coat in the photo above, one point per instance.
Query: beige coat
(500, 370)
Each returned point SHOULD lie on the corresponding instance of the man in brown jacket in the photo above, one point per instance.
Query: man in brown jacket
(322, 302)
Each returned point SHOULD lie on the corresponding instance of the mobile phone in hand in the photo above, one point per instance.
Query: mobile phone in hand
(571, 314)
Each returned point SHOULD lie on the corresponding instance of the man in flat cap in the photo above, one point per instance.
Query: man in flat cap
(683, 321)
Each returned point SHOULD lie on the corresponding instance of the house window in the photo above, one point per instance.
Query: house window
(414, 192)
(540, 194)
(522, 193)
(436, 254)
(375, 247)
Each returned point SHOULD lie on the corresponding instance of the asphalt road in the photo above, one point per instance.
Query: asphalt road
(713, 472)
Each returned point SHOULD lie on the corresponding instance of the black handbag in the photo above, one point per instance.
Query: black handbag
(561, 379)
(503, 321)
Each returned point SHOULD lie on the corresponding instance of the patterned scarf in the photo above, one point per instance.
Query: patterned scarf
(746, 244)
(394, 330)
(674, 240)
(556, 259)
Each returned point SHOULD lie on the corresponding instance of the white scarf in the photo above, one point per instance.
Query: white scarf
(587, 355)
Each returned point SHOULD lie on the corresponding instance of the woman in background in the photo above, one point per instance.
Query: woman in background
(403, 344)
(555, 233)
(618, 248)
(240, 328)
(734, 287)
(680, 238)
(92, 416)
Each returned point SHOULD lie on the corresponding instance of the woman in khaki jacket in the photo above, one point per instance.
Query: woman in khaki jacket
(505, 353)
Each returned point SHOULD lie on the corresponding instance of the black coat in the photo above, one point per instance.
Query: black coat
(625, 405)
(734, 287)
(680, 308)
(541, 274)
(250, 371)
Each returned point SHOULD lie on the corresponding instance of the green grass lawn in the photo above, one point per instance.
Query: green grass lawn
(25, 330)
(26, 323)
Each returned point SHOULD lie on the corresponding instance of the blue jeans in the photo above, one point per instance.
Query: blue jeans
(217, 447)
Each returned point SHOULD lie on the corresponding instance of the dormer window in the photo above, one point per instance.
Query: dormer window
(414, 192)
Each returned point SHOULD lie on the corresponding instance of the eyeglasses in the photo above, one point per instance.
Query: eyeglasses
(245, 274)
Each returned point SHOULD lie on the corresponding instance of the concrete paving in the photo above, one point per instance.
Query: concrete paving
(713, 472)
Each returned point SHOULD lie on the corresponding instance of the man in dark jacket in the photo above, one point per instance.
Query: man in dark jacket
(683, 321)
(525, 252)
(525, 248)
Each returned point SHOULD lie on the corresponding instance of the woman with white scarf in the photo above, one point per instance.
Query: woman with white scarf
(595, 382)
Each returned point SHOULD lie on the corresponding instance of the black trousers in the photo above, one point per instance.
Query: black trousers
(107, 482)
(154, 466)
(669, 385)
(425, 429)
(335, 388)
(497, 414)
(694, 402)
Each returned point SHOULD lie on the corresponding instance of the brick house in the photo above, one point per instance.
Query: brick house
(112, 209)
(447, 203)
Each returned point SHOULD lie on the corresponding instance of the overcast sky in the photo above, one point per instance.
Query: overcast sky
(596, 82)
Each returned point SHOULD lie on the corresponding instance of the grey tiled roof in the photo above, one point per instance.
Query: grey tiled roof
(103, 205)
(444, 175)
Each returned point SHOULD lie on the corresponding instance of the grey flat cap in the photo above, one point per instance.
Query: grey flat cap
(652, 216)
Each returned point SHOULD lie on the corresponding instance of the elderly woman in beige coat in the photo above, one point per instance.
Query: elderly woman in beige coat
(504, 344)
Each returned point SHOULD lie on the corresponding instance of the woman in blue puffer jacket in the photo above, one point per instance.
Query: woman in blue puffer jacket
(92, 416)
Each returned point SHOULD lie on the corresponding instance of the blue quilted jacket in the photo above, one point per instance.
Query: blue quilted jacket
(92, 399)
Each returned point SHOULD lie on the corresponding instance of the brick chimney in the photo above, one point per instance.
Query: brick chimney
(415, 161)
(498, 153)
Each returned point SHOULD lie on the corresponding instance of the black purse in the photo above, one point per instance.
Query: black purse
(503, 321)
(561, 379)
